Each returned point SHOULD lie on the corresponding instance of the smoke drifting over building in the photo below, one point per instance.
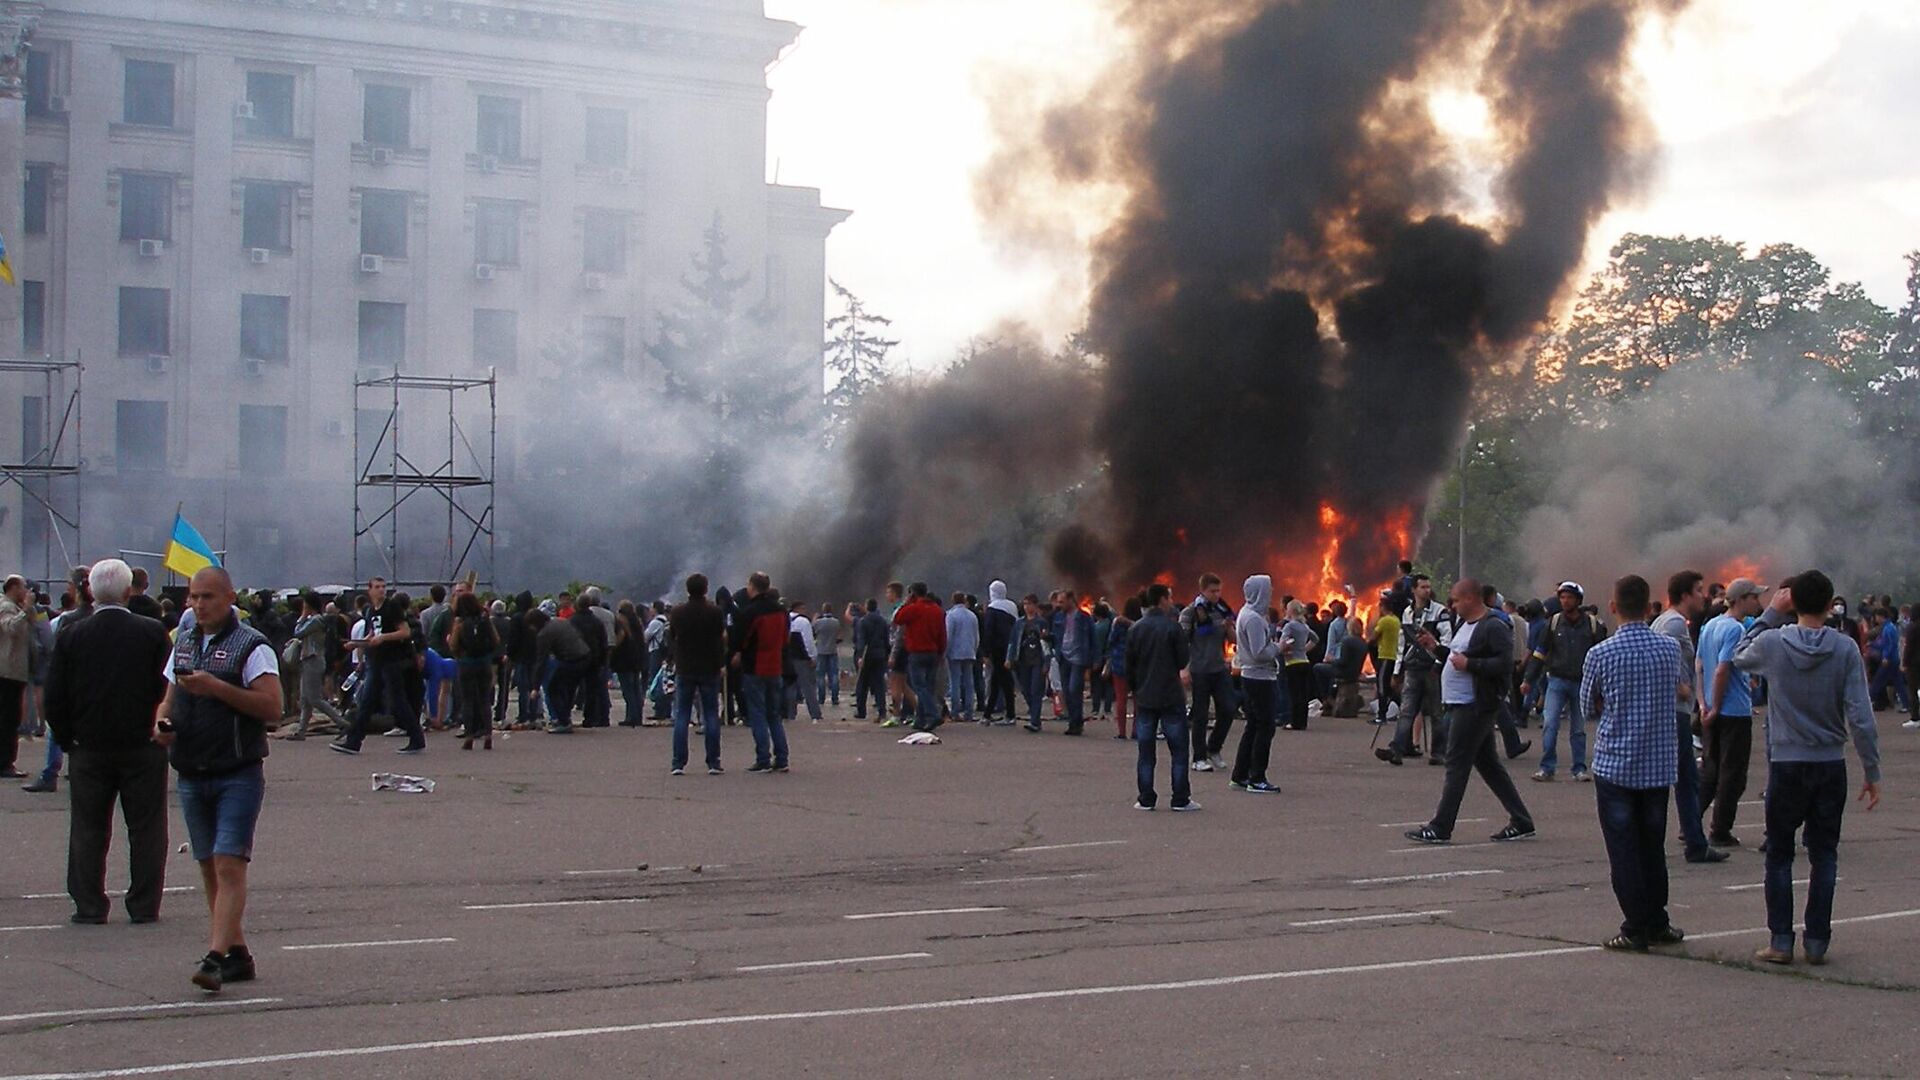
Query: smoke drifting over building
(1289, 309)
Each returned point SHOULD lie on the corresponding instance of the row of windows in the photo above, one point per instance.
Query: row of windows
(266, 220)
(145, 329)
(140, 436)
(148, 99)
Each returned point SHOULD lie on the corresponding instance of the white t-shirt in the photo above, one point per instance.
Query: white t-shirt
(803, 626)
(1456, 687)
(260, 661)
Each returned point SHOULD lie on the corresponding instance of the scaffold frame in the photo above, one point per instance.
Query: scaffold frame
(386, 479)
(51, 477)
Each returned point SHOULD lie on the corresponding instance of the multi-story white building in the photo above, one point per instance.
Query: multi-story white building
(229, 209)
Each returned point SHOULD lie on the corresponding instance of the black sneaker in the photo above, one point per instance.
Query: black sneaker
(715, 770)
(1707, 855)
(1623, 943)
(1667, 935)
(759, 767)
(1425, 835)
(1391, 757)
(1723, 840)
(342, 748)
(781, 768)
(1512, 832)
(237, 965)
(421, 749)
(207, 976)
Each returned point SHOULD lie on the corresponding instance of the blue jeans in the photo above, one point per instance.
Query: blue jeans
(1633, 822)
(221, 811)
(524, 682)
(563, 684)
(828, 673)
(630, 693)
(766, 698)
(54, 758)
(920, 676)
(1033, 686)
(1073, 684)
(1686, 792)
(1147, 723)
(960, 687)
(684, 692)
(1809, 798)
(1563, 700)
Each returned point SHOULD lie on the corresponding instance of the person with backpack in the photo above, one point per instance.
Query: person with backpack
(801, 661)
(475, 647)
(1562, 659)
(1029, 652)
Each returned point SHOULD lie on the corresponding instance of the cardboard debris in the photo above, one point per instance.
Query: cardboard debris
(406, 785)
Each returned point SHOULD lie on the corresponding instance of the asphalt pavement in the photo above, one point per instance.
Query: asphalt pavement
(991, 906)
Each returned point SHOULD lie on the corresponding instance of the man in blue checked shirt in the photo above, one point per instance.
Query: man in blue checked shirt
(1631, 682)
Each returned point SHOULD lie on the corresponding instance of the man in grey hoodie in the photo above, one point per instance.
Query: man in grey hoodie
(1257, 657)
(1816, 697)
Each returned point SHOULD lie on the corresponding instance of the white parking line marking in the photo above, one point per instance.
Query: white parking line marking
(924, 911)
(1423, 821)
(1024, 880)
(1372, 918)
(116, 892)
(16, 929)
(554, 903)
(1762, 884)
(1063, 847)
(372, 944)
(511, 1038)
(1422, 877)
(831, 963)
(54, 1014)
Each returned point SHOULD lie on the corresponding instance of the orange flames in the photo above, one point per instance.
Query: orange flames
(1738, 566)
(1316, 574)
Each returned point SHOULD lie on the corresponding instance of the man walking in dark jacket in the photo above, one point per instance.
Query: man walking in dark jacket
(1157, 657)
(103, 685)
(697, 635)
(870, 645)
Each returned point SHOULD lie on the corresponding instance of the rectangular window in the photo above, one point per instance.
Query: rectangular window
(140, 435)
(263, 439)
(149, 94)
(606, 138)
(39, 83)
(144, 322)
(603, 340)
(266, 219)
(146, 206)
(496, 233)
(33, 203)
(383, 334)
(33, 431)
(604, 242)
(263, 326)
(498, 129)
(33, 317)
(383, 223)
(386, 116)
(271, 95)
(496, 338)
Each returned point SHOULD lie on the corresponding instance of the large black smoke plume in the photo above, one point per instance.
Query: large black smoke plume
(1289, 308)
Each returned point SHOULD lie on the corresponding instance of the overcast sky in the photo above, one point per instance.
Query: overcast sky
(1780, 120)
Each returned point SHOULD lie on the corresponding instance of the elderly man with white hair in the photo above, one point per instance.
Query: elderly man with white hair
(104, 686)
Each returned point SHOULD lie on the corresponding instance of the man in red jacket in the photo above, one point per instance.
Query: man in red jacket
(762, 624)
(923, 630)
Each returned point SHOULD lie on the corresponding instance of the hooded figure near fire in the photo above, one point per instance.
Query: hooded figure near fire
(1288, 276)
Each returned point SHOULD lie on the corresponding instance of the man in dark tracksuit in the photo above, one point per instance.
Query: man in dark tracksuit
(1208, 625)
(1157, 657)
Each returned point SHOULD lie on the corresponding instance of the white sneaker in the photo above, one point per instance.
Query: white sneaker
(1186, 806)
(1219, 763)
(1203, 765)
(1912, 725)
(1138, 805)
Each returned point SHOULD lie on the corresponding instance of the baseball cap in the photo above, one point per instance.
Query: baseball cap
(1572, 587)
(1741, 589)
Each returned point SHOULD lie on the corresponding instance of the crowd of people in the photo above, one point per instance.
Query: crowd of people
(205, 684)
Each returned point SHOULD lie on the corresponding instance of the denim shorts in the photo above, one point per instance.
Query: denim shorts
(221, 811)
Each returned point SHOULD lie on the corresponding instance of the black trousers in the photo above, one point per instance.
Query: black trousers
(1470, 750)
(1000, 695)
(137, 777)
(1723, 770)
(1300, 690)
(11, 696)
(871, 682)
(1256, 736)
(1213, 688)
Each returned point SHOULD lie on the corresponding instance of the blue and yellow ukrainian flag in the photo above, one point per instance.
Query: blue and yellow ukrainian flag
(188, 552)
(6, 268)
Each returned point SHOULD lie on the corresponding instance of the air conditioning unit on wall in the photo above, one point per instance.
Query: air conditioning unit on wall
(151, 249)
(483, 271)
(381, 155)
(159, 363)
(259, 256)
(371, 264)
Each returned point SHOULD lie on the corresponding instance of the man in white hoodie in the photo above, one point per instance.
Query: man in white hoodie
(996, 633)
(1257, 658)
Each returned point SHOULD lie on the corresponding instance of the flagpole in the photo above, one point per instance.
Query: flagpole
(179, 508)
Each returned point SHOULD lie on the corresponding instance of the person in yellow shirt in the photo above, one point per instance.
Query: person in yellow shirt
(1385, 640)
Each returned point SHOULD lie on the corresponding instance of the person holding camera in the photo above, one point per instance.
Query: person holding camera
(225, 691)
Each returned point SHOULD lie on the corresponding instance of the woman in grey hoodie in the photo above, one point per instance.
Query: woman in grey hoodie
(1299, 641)
(1257, 659)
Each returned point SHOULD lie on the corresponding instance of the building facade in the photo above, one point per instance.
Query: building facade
(229, 211)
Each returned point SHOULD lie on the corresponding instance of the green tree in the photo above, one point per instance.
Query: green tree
(858, 358)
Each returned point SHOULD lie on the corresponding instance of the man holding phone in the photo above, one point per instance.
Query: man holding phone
(225, 691)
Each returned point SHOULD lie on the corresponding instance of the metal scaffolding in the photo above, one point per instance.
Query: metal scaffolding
(50, 475)
(389, 477)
